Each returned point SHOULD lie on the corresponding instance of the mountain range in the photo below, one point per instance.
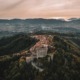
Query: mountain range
(33, 25)
(40, 49)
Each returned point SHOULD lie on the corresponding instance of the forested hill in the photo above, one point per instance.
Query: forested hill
(15, 44)
(64, 65)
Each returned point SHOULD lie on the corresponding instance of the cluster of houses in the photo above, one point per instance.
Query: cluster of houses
(38, 52)
(40, 49)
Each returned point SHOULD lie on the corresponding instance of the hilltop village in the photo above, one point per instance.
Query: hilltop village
(40, 49)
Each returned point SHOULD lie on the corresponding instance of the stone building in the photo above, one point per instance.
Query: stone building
(41, 51)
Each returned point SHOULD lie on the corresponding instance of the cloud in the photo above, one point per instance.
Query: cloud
(39, 8)
(12, 4)
(15, 4)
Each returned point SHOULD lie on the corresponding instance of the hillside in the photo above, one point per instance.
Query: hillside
(15, 44)
(42, 57)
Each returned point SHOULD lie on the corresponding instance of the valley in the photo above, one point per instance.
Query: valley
(40, 49)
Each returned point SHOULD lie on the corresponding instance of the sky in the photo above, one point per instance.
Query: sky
(23, 9)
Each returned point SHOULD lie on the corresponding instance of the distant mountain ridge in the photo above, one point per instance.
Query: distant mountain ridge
(17, 19)
(33, 25)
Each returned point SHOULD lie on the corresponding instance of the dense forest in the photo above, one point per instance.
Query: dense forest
(14, 44)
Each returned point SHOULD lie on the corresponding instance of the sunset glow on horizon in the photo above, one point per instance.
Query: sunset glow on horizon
(39, 9)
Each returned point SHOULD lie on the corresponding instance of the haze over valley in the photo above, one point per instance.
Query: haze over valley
(34, 25)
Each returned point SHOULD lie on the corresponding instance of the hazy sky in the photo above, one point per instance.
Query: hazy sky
(39, 8)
